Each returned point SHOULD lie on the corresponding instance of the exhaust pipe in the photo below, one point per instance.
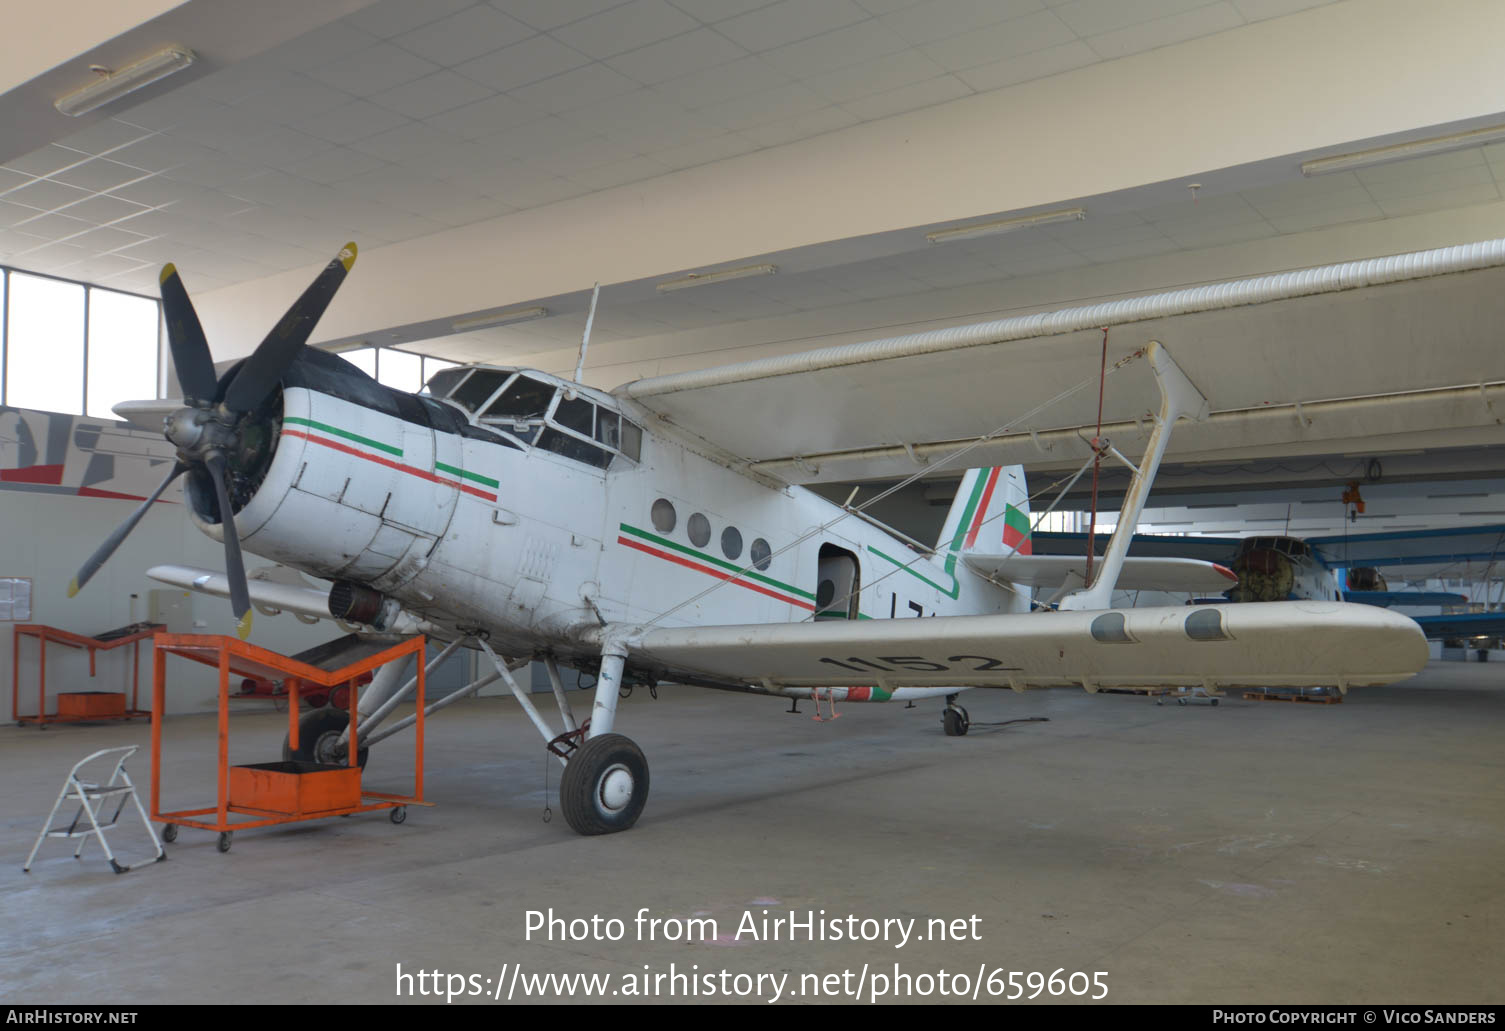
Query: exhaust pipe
(354, 603)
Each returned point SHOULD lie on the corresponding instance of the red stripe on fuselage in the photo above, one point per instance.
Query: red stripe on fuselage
(410, 470)
(718, 574)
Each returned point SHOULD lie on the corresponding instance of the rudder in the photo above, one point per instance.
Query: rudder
(990, 513)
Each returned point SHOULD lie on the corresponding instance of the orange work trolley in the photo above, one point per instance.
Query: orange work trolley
(267, 794)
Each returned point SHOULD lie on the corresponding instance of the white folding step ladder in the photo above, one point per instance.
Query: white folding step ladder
(92, 800)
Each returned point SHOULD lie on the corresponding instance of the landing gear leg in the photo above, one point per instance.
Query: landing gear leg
(955, 719)
(605, 783)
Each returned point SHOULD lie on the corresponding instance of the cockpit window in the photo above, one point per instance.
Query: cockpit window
(524, 410)
(474, 391)
(574, 447)
(609, 428)
(524, 399)
(632, 441)
(575, 414)
(441, 383)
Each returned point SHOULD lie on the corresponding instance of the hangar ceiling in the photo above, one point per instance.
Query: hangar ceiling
(401, 119)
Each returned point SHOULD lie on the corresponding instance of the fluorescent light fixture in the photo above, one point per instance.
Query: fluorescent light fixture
(500, 318)
(114, 85)
(700, 278)
(1007, 225)
(1400, 151)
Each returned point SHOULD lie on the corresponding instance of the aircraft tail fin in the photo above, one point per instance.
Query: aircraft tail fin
(990, 513)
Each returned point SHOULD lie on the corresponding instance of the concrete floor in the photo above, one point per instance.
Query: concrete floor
(1254, 852)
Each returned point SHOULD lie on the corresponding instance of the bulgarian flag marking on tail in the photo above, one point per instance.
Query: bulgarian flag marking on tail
(1016, 533)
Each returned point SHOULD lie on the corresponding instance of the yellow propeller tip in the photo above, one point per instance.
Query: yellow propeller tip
(168, 271)
(73, 587)
(243, 628)
(347, 255)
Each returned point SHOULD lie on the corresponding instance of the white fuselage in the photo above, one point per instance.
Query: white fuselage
(482, 529)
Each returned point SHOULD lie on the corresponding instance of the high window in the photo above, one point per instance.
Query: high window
(73, 348)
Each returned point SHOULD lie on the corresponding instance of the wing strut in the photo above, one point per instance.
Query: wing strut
(1178, 398)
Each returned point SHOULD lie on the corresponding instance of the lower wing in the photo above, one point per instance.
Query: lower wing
(1275, 644)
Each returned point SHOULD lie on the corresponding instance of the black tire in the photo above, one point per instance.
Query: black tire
(398, 815)
(224, 840)
(1214, 701)
(590, 792)
(318, 724)
(170, 833)
(955, 722)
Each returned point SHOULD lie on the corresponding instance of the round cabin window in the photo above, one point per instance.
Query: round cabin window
(700, 530)
(731, 542)
(663, 515)
(761, 554)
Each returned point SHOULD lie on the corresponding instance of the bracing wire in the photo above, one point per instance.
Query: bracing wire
(941, 463)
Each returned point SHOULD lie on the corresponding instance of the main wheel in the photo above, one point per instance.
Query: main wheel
(604, 786)
(955, 721)
(318, 733)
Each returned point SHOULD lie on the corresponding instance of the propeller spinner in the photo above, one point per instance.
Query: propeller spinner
(212, 428)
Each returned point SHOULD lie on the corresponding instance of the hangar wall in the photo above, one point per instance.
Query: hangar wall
(65, 483)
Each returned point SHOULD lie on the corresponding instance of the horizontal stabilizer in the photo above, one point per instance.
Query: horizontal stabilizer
(1275, 644)
(1139, 574)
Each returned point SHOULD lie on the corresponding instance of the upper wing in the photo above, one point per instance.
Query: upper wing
(871, 409)
(1446, 551)
(1291, 644)
(1138, 574)
(1464, 624)
(1406, 598)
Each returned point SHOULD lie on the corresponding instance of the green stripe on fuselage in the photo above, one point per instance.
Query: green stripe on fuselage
(487, 480)
(336, 431)
(731, 566)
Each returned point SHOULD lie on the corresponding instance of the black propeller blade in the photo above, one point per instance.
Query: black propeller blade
(235, 570)
(261, 373)
(105, 550)
(206, 433)
(185, 336)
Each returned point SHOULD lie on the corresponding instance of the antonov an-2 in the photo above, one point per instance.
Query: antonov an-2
(529, 517)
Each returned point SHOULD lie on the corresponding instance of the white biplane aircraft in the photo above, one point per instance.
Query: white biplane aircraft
(526, 516)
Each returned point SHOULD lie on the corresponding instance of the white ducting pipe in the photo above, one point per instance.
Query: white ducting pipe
(1280, 286)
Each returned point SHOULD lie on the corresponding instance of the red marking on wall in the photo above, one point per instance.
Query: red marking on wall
(49, 474)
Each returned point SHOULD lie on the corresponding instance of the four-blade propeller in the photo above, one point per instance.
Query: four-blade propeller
(211, 431)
